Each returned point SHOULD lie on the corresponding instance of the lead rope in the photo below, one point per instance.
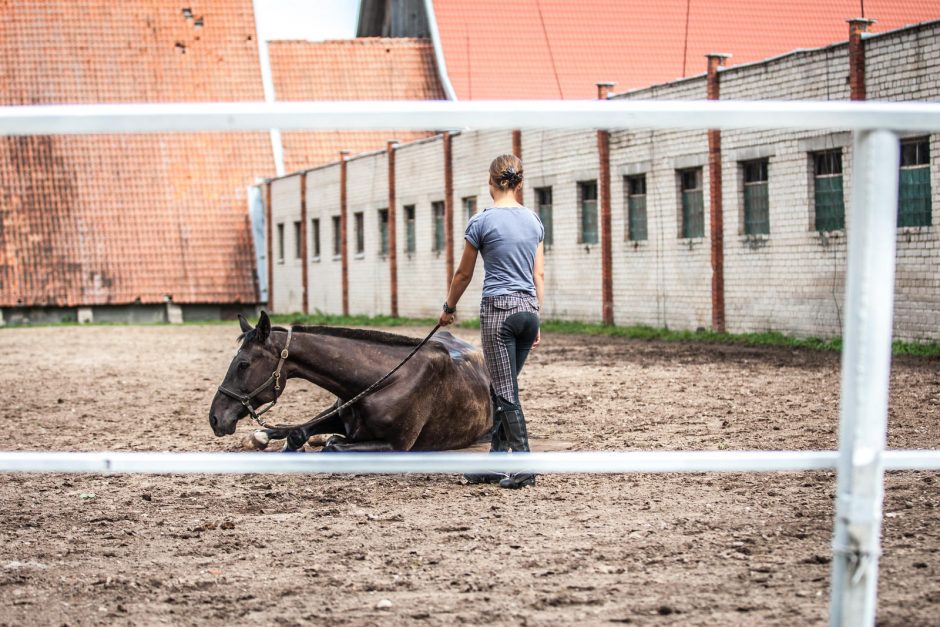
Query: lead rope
(353, 400)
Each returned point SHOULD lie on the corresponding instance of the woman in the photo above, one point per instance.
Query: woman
(509, 236)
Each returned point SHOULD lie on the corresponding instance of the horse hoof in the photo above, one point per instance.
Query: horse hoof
(287, 449)
(319, 439)
(331, 445)
(258, 441)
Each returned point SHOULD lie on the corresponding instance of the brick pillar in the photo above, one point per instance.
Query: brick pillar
(607, 276)
(392, 228)
(716, 213)
(268, 217)
(857, 26)
(448, 209)
(303, 243)
(343, 248)
(517, 150)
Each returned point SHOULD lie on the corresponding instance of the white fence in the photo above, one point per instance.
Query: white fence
(861, 459)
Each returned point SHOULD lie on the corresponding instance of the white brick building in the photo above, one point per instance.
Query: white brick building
(787, 274)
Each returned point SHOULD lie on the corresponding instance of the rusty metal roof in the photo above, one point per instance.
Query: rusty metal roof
(127, 218)
(371, 68)
(560, 49)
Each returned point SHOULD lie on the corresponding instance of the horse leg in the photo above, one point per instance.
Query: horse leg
(298, 437)
(260, 438)
(338, 444)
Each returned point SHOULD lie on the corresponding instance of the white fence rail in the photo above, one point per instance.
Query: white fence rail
(443, 114)
(861, 459)
(593, 462)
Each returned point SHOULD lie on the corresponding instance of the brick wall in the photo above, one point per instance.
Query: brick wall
(367, 192)
(285, 210)
(324, 289)
(419, 173)
(791, 280)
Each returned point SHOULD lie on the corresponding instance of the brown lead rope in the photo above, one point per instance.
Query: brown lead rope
(322, 417)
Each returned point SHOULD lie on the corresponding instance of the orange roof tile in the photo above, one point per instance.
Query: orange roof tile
(559, 49)
(117, 219)
(357, 69)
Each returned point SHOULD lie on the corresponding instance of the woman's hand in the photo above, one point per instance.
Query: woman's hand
(447, 318)
(538, 338)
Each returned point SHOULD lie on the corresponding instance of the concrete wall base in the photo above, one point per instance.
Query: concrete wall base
(126, 314)
(174, 313)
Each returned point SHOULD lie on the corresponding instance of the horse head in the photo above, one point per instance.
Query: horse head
(245, 381)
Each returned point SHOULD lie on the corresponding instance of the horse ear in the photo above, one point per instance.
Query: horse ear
(244, 324)
(264, 327)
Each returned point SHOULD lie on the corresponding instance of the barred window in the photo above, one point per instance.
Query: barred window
(756, 199)
(337, 240)
(914, 189)
(383, 232)
(543, 200)
(280, 242)
(829, 201)
(409, 228)
(469, 206)
(693, 203)
(297, 239)
(437, 210)
(315, 231)
(360, 220)
(635, 188)
(587, 205)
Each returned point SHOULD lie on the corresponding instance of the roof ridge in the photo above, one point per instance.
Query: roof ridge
(401, 42)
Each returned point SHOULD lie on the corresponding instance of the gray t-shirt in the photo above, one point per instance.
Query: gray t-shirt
(507, 238)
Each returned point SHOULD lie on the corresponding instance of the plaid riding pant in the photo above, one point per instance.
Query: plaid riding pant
(494, 311)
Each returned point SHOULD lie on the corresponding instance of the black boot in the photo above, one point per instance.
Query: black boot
(498, 444)
(517, 480)
(517, 437)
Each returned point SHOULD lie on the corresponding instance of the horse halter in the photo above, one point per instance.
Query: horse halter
(275, 378)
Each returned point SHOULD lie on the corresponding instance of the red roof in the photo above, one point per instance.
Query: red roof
(495, 49)
(357, 69)
(116, 219)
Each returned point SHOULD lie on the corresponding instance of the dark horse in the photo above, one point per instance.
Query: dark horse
(439, 400)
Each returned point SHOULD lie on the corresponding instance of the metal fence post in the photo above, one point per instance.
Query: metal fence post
(866, 364)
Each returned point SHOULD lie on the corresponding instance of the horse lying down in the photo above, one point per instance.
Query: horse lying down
(439, 400)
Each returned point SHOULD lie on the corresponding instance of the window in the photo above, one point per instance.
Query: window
(543, 200)
(280, 242)
(830, 206)
(756, 202)
(337, 240)
(469, 206)
(693, 203)
(587, 205)
(914, 189)
(409, 228)
(635, 186)
(297, 240)
(359, 219)
(437, 210)
(315, 231)
(383, 232)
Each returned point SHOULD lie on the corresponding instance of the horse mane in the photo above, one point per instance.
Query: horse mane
(367, 335)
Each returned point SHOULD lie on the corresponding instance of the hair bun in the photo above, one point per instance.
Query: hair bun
(511, 177)
(506, 172)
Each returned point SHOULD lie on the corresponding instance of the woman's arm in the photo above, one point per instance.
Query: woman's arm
(538, 273)
(461, 280)
(538, 277)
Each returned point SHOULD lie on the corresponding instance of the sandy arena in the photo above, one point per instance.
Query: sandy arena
(713, 549)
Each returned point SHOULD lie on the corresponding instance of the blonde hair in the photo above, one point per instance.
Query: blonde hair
(506, 172)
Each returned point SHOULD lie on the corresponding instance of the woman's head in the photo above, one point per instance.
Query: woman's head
(506, 173)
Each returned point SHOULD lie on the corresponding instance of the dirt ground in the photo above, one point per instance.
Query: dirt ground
(714, 549)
